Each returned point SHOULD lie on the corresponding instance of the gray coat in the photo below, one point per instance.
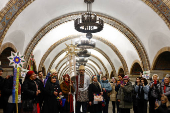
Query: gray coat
(167, 90)
(128, 88)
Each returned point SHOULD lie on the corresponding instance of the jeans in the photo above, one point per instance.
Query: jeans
(84, 107)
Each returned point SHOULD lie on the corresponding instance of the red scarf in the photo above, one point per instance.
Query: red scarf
(164, 89)
(67, 82)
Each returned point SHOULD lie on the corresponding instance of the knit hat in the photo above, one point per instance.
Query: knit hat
(52, 71)
(1, 69)
(126, 77)
(82, 67)
(29, 73)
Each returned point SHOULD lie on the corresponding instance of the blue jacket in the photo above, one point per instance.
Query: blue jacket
(145, 89)
(105, 84)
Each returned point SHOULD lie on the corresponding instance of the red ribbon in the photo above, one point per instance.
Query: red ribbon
(38, 108)
(71, 103)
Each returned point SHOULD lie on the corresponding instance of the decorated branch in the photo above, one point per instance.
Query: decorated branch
(17, 61)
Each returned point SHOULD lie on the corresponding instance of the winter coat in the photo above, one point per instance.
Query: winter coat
(128, 88)
(167, 90)
(66, 89)
(105, 84)
(155, 90)
(93, 89)
(145, 89)
(51, 104)
(113, 92)
(163, 109)
(29, 90)
(9, 86)
(40, 97)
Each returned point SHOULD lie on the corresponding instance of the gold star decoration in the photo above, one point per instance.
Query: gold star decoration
(71, 49)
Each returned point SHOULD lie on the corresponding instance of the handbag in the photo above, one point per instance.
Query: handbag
(98, 98)
(27, 105)
(128, 97)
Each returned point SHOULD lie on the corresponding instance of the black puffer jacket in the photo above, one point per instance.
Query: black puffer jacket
(29, 89)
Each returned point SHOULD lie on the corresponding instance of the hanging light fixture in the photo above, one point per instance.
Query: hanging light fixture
(89, 22)
(82, 60)
(84, 53)
(84, 43)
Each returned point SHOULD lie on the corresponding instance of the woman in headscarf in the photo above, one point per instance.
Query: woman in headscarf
(94, 90)
(30, 92)
(51, 92)
(67, 88)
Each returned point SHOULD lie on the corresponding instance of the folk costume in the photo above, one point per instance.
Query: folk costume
(81, 85)
(65, 87)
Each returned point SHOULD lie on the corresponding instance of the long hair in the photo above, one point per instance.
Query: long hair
(166, 100)
(145, 81)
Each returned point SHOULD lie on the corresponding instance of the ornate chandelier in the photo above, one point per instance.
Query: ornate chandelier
(89, 22)
(82, 60)
(84, 53)
(85, 43)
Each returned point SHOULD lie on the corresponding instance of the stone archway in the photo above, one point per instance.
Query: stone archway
(8, 44)
(165, 49)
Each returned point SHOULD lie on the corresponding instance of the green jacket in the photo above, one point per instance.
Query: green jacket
(128, 88)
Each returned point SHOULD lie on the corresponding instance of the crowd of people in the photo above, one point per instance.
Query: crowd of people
(92, 94)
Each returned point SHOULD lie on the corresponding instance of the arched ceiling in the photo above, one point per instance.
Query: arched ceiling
(144, 23)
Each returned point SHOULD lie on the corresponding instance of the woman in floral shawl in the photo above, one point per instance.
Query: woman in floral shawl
(65, 87)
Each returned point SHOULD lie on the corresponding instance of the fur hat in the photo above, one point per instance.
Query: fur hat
(126, 77)
(82, 67)
(52, 71)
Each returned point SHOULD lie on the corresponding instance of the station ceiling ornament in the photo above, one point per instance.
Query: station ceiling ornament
(89, 22)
